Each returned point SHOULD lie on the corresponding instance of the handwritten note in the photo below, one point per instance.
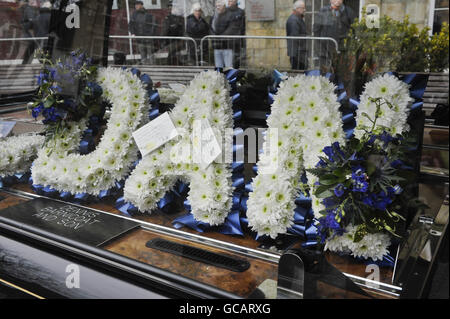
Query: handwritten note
(155, 134)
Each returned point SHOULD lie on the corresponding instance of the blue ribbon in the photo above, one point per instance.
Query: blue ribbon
(418, 84)
(342, 96)
(302, 200)
(236, 200)
(248, 187)
(354, 102)
(347, 118)
(136, 72)
(237, 116)
(239, 182)
(165, 201)
(243, 206)
(84, 147)
(231, 226)
(125, 207)
(237, 166)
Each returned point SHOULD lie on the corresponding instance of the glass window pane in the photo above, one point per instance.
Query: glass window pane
(439, 18)
(441, 4)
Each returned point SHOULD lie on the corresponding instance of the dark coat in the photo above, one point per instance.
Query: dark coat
(29, 14)
(295, 27)
(173, 26)
(231, 22)
(196, 29)
(41, 24)
(142, 23)
(328, 25)
(236, 21)
(219, 23)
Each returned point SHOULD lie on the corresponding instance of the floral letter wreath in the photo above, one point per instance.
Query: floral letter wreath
(306, 115)
(17, 153)
(207, 97)
(64, 170)
(393, 121)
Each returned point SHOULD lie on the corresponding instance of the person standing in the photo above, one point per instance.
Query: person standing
(333, 21)
(296, 27)
(173, 26)
(223, 56)
(41, 24)
(197, 28)
(28, 14)
(142, 24)
(236, 26)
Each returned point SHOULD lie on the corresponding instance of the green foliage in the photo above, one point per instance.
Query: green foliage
(438, 50)
(395, 46)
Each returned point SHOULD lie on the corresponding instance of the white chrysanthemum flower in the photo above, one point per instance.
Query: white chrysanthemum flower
(206, 98)
(394, 118)
(373, 246)
(116, 152)
(307, 117)
(18, 152)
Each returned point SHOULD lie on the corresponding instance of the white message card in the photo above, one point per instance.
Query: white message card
(6, 128)
(155, 134)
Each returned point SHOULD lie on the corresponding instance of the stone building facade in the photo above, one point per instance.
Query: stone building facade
(263, 53)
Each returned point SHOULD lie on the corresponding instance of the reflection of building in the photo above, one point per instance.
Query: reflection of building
(266, 53)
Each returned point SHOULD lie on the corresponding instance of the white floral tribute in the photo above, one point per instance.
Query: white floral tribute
(373, 246)
(17, 153)
(206, 98)
(306, 116)
(394, 121)
(61, 167)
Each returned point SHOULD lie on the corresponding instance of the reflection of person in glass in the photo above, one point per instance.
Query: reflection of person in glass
(41, 24)
(223, 56)
(236, 26)
(142, 24)
(197, 28)
(173, 26)
(296, 27)
(333, 21)
(28, 16)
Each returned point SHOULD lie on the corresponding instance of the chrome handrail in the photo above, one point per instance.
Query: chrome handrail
(23, 39)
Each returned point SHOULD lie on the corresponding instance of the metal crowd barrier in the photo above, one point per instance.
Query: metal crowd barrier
(237, 42)
(157, 40)
(200, 50)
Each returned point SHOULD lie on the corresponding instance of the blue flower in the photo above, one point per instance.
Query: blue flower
(359, 178)
(51, 114)
(386, 138)
(37, 110)
(339, 190)
(368, 200)
(56, 88)
(327, 223)
(398, 190)
(372, 139)
(42, 78)
(95, 88)
(321, 163)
